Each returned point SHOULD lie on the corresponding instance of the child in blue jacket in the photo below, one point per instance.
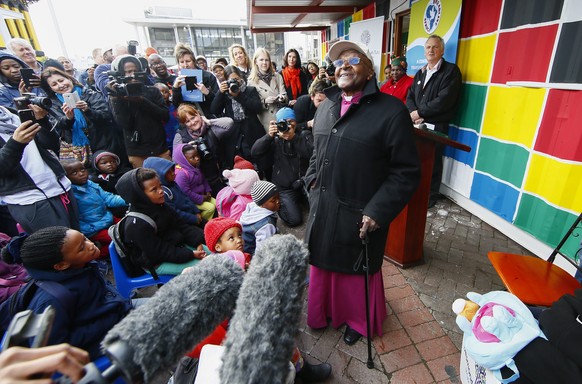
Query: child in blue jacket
(93, 203)
(175, 197)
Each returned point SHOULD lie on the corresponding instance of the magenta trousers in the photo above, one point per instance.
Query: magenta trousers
(341, 298)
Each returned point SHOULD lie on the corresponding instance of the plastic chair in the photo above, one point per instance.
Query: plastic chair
(533, 280)
(125, 284)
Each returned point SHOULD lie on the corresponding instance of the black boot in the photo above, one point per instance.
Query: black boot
(314, 373)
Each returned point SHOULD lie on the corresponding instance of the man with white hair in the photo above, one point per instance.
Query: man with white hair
(24, 50)
(432, 99)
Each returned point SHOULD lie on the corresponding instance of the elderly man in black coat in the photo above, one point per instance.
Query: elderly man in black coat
(363, 171)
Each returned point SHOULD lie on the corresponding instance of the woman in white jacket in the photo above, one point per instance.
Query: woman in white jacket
(270, 86)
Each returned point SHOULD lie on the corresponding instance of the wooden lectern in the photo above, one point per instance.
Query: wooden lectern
(406, 232)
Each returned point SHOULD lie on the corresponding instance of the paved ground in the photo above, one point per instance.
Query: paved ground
(421, 341)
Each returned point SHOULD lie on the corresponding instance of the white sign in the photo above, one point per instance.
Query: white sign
(370, 33)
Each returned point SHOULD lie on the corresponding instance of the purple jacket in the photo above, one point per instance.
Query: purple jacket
(189, 178)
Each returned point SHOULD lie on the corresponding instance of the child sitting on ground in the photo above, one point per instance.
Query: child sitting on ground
(191, 180)
(232, 200)
(63, 257)
(259, 220)
(93, 203)
(175, 198)
(170, 247)
(224, 235)
(106, 170)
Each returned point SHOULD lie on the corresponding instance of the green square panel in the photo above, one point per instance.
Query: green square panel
(548, 223)
(471, 105)
(503, 161)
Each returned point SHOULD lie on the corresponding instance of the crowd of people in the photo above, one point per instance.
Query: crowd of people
(168, 155)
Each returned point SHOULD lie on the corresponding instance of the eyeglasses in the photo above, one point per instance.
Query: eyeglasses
(351, 61)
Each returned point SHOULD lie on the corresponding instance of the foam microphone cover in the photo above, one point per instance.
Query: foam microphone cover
(181, 314)
(262, 332)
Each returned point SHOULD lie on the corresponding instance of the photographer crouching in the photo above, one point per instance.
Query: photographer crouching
(139, 109)
(289, 148)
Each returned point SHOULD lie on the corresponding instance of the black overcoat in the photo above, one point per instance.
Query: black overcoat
(364, 163)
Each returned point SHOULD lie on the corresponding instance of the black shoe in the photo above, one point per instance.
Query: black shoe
(351, 336)
(314, 373)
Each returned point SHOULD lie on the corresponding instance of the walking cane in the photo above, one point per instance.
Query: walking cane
(370, 363)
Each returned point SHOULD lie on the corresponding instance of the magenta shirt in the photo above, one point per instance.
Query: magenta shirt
(346, 104)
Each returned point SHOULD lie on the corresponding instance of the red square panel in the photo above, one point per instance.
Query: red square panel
(479, 17)
(524, 55)
(560, 134)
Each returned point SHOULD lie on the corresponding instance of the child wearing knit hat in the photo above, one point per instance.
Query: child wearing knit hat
(224, 235)
(259, 220)
(232, 200)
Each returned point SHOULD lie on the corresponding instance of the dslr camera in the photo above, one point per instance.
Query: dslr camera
(202, 148)
(283, 126)
(330, 70)
(23, 101)
(233, 86)
(128, 85)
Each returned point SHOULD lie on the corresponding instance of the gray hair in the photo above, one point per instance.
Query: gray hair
(18, 41)
(440, 39)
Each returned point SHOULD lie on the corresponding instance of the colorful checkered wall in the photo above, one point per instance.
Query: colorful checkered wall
(526, 163)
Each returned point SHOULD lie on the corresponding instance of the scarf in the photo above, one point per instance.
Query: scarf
(8, 121)
(266, 77)
(292, 79)
(237, 109)
(80, 125)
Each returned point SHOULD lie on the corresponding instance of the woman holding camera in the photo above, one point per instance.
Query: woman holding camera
(294, 77)
(208, 136)
(241, 103)
(269, 85)
(86, 122)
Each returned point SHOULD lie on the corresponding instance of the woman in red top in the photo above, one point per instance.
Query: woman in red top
(399, 82)
(295, 79)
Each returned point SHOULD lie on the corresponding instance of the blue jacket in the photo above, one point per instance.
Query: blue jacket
(93, 203)
(98, 307)
(175, 197)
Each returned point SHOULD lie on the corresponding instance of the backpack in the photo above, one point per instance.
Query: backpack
(12, 277)
(20, 300)
(12, 274)
(131, 268)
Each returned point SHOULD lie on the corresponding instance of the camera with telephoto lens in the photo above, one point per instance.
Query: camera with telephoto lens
(202, 148)
(23, 101)
(233, 86)
(282, 126)
(128, 85)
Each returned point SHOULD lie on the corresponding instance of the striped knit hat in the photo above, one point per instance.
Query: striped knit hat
(261, 191)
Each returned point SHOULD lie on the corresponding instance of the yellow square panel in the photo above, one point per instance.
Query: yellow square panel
(476, 58)
(512, 113)
(557, 182)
